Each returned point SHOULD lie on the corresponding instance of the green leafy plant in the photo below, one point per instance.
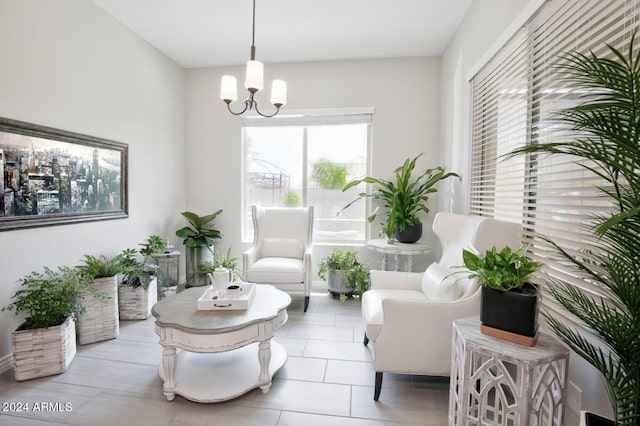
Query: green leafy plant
(503, 270)
(137, 272)
(219, 261)
(201, 232)
(404, 199)
(48, 298)
(329, 175)
(100, 267)
(605, 134)
(356, 273)
(291, 199)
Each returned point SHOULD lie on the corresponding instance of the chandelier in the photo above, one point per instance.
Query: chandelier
(253, 83)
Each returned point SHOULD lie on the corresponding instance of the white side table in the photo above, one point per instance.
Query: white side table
(397, 249)
(495, 382)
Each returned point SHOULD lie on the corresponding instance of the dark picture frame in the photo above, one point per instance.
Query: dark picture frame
(54, 177)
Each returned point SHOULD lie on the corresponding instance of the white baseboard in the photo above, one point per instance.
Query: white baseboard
(6, 363)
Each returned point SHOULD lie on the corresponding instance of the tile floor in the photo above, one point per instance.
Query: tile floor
(328, 379)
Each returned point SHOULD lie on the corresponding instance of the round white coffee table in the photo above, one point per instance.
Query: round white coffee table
(211, 356)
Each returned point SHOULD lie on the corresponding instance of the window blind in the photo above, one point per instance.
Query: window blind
(514, 97)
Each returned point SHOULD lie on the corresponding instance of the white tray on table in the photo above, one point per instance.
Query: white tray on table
(212, 300)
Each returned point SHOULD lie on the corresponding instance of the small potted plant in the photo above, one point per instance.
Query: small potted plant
(99, 321)
(137, 292)
(509, 301)
(403, 199)
(196, 237)
(45, 343)
(219, 261)
(345, 275)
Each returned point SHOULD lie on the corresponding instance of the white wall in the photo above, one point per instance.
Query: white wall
(404, 92)
(483, 25)
(67, 64)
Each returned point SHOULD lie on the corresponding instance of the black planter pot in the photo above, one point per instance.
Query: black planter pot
(512, 311)
(411, 234)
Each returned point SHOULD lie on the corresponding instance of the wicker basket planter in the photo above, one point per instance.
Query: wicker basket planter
(44, 351)
(136, 303)
(100, 320)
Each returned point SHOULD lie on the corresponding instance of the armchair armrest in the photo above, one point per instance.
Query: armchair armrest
(249, 257)
(396, 280)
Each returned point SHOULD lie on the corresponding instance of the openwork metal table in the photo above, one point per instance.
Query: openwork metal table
(495, 382)
(397, 249)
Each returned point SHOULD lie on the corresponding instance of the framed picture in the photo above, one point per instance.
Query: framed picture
(54, 177)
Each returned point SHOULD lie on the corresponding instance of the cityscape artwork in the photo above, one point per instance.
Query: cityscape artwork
(52, 177)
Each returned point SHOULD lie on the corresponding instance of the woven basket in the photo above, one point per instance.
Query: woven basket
(44, 351)
(100, 320)
(136, 303)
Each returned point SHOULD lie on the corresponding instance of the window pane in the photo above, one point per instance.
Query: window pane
(336, 154)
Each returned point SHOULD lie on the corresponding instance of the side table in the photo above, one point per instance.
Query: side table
(495, 382)
(397, 249)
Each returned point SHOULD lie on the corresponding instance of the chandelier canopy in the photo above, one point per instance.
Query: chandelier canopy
(253, 82)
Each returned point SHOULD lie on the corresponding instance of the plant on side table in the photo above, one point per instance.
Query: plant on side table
(345, 275)
(509, 301)
(198, 236)
(45, 343)
(605, 133)
(99, 319)
(403, 200)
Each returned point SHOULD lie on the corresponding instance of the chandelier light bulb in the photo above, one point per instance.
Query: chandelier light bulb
(254, 78)
(279, 92)
(228, 88)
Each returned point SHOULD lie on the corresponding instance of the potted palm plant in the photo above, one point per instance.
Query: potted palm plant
(605, 125)
(99, 319)
(344, 273)
(196, 238)
(403, 199)
(45, 343)
(509, 301)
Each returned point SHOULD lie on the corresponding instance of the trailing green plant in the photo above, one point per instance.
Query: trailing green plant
(403, 199)
(100, 267)
(356, 273)
(48, 298)
(606, 133)
(503, 270)
(201, 232)
(329, 175)
(219, 261)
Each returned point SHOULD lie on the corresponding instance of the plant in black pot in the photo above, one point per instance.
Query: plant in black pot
(198, 239)
(344, 273)
(509, 301)
(403, 199)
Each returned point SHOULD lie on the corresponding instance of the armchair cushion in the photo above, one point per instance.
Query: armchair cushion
(439, 285)
(372, 312)
(284, 270)
(282, 247)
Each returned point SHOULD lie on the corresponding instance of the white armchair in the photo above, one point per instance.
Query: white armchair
(408, 316)
(281, 251)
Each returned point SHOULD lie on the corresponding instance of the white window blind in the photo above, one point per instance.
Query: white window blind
(513, 98)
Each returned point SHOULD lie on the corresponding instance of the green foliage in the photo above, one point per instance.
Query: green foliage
(502, 270)
(291, 199)
(153, 244)
(357, 274)
(404, 199)
(101, 266)
(201, 233)
(329, 175)
(220, 261)
(137, 272)
(49, 298)
(606, 127)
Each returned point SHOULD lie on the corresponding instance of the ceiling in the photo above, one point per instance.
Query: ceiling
(203, 33)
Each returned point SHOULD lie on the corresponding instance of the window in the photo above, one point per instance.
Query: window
(305, 161)
(513, 98)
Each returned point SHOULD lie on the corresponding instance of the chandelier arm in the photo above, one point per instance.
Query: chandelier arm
(266, 115)
(246, 105)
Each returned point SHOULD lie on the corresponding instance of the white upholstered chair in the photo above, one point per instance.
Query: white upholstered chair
(408, 316)
(281, 251)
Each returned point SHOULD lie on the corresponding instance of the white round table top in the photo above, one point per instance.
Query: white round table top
(381, 245)
(180, 311)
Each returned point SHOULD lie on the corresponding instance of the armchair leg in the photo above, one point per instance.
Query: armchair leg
(366, 339)
(306, 303)
(376, 392)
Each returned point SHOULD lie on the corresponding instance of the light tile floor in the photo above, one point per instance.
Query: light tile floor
(328, 379)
